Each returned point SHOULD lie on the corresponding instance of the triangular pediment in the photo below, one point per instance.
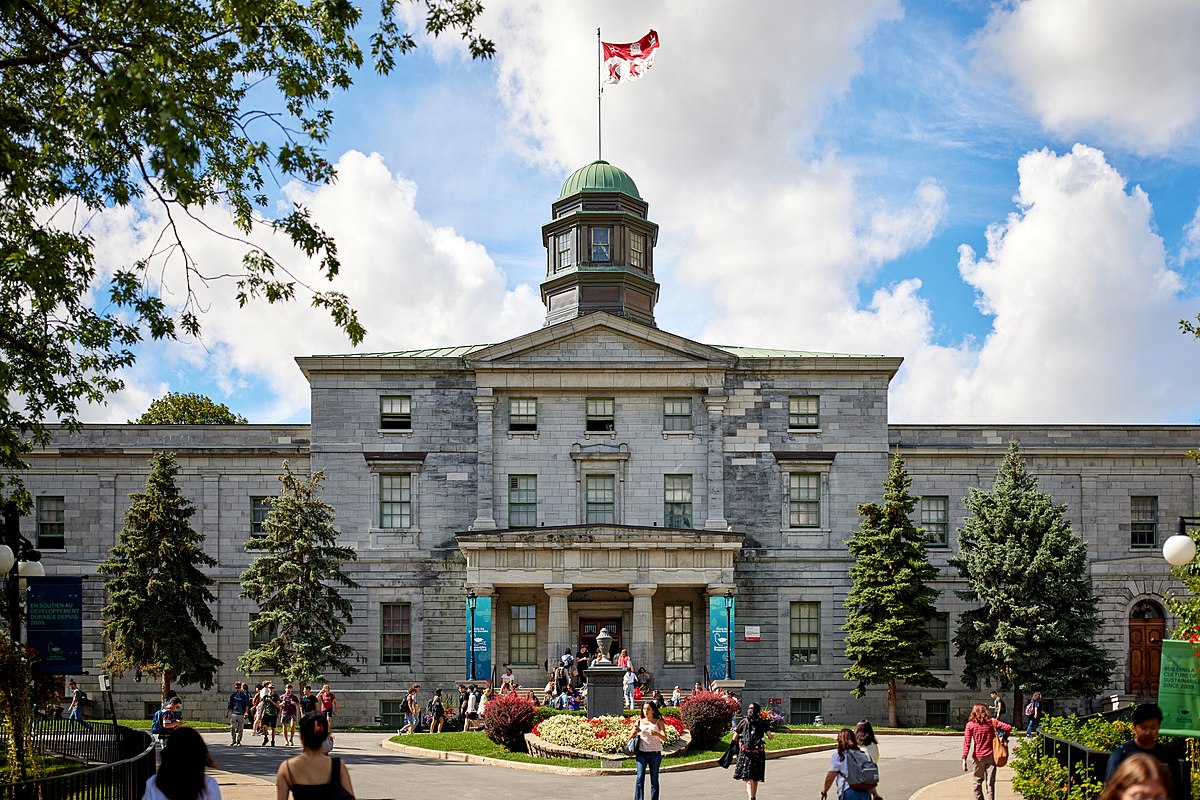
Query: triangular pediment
(599, 338)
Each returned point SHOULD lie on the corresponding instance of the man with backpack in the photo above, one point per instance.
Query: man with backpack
(412, 711)
(855, 774)
(1033, 713)
(75, 711)
(165, 721)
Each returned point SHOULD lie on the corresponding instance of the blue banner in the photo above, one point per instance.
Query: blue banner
(54, 624)
(720, 639)
(479, 640)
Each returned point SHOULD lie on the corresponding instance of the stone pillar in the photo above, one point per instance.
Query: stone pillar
(485, 515)
(716, 463)
(642, 649)
(560, 620)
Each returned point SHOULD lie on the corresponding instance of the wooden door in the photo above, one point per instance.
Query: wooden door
(1145, 653)
(589, 628)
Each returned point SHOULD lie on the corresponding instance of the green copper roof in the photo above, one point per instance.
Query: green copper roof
(599, 176)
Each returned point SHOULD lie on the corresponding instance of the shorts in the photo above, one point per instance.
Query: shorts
(411, 719)
(472, 715)
(289, 719)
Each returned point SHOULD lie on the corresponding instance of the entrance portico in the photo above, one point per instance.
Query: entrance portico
(589, 574)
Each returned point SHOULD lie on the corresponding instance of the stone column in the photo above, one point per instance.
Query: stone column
(716, 463)
(485, 516)
(560, 620)
(642, 649)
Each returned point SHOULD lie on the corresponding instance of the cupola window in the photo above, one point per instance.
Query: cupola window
(637, 249)
(562, 243)
(601, 244)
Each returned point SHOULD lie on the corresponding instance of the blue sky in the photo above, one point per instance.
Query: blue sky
(1000, 193)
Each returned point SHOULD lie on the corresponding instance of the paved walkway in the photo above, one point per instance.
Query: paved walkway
(912, 768)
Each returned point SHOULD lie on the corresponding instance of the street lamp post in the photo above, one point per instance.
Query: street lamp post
(1180, 549)
(18, 559)
(472, 599)
(728, 598)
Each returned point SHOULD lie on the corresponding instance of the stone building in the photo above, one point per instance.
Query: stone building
(601, 472)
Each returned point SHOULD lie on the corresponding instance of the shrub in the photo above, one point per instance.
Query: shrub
(1038, 777)
(543, 713)
(708, 716)
(507, 719)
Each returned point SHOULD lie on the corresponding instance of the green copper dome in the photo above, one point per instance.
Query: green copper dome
(599, 176)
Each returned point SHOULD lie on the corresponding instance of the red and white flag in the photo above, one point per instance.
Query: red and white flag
(629, 62)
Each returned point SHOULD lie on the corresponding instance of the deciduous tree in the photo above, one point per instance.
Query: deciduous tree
(296, 582)
(891, 602)
(158, 596)
(174, 408)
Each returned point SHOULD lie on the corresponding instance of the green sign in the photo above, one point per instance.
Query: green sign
(1179, 688)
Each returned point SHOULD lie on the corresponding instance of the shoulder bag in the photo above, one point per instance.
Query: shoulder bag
(999, 747)
(634, 745)
(335, 780)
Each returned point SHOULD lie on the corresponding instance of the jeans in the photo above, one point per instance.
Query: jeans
(236, 723)
(652, 762)
(629, 696)
(76, 715)
(1032, 726)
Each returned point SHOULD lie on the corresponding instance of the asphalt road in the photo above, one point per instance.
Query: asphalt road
(907, 763)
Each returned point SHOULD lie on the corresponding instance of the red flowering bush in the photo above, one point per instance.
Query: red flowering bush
(507, 719)
(708, 716)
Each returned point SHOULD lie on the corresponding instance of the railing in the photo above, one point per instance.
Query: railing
(128, 762)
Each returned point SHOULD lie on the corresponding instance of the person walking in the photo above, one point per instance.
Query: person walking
(1139, 777)
(75, 710)
(650, 732)
(437, 712)
(628, 682)
(864, 734)
(998, 706)
(412, 711)
(181, 775)
(327, 704)
(308, 701)
(471, 715)
(977, 736)
(1147, 720)
(1033, 711)
(270, 713)
(750, 736)
(289, 705)
(844, 766)
(312, 775)
(239, 703)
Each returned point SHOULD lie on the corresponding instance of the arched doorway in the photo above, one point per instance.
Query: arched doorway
(1147, 628)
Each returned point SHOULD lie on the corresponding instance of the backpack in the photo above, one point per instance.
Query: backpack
(861, 772)
(1029, 709)
(156, 723)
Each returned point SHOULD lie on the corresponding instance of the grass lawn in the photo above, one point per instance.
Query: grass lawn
(144, 724)
(477, 744)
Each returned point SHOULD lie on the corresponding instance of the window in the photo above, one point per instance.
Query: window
(939, 629)
(522, 501)
(601, 499)
(937, 713)
(395, 413)
(522, 414)
(805, 710)
(677, 501)
(150, 708)
(395, 501)
(50, 533)
(637, 250)
(261, 636)
(562, 244)
(395, 633)
(804, 500)
(1143, 522)
(677, 414)
(601, 244)
(806, 633)
(935, 520)
(601, 415)
(803, 412)
(522, 634)
(260, 508)
(679, 633)
(391, 713)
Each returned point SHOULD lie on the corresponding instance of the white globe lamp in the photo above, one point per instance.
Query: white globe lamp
(31, 569)
(7, 559)
(1179, 550)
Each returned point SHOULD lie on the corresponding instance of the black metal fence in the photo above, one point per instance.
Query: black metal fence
(124, 758)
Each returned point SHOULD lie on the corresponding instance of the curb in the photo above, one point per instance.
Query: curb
(453, 755)
(937, 788)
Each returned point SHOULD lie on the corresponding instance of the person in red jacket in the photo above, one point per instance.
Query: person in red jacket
(978, 737)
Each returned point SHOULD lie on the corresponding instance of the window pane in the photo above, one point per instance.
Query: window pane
(600, 415)
(260, 508)
(677, 501)
(677, 414)
(260, 637)
(935, 520)
(563, 243)
(395, 501)
(679, 634)
(395, 632)
(601, 244)
(522, 634)
(803, 412)
(395, 413)
(1143, 524)
(806, 633)
(51, 534)
(805, 710)
(804, 500)
(939, 629)
(522, 501)
(601, 499)
(522, 414)
(391, 712)
(937, 713)
(637, 244)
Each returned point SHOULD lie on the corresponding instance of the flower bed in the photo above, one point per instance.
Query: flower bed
(565, 736)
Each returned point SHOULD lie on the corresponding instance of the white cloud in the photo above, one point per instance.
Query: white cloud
(1126, 70)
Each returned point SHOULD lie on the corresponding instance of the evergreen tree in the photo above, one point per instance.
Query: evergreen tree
(294, 581)
(158, 596)
(890, 603)
(1037, 615)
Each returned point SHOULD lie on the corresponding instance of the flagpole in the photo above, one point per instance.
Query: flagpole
(599, 95)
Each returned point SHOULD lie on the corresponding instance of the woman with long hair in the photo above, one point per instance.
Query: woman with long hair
(181, 775)
(865, 735)
(650, 732)
(1139, 776)
(980, 730)
(750, 736)
(839, 769)
(312, 775)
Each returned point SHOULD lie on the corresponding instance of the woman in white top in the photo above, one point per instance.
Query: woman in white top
(651, 732)
(865, 734)
(181, 775)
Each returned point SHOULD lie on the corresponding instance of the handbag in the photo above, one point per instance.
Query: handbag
(335, 781)
(999, 748)
(726, 759)
(634, 745)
